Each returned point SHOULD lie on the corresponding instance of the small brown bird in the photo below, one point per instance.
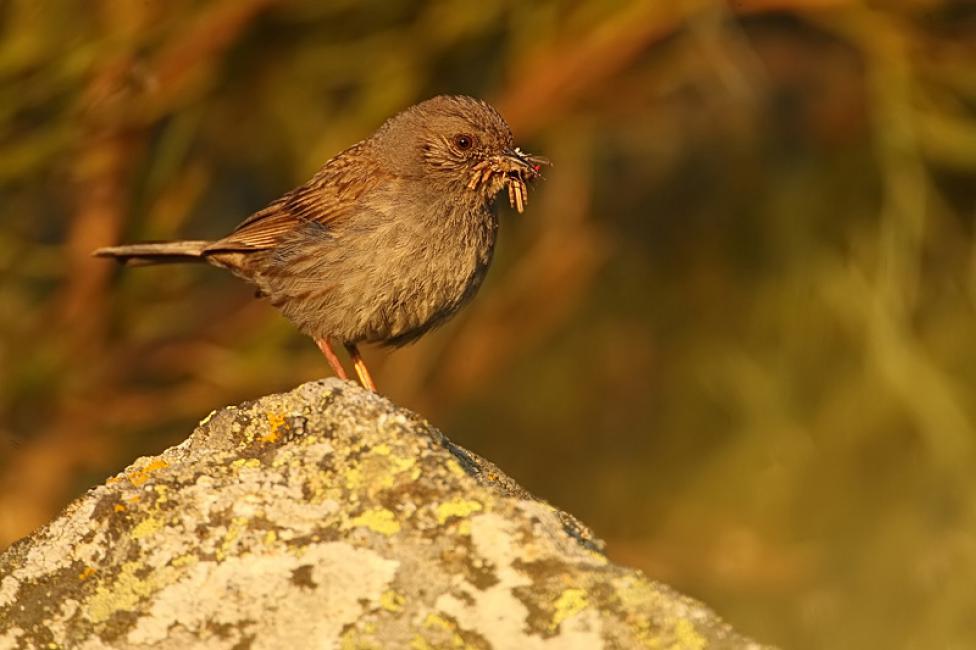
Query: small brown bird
(387, 240)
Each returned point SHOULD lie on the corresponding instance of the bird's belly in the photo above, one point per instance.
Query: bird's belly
(426, 295)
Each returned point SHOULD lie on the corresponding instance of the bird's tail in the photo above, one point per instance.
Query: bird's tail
(156, 252)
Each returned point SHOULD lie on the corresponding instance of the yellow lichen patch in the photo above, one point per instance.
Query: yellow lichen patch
(86, 573)
(354, 477)
(270, 538)
(277, 423)
(162, 492)
(119, 507)
(637, 595)
(688, 637)
(234, 530)
(141, 476)
(322, 486)
(643, 632)
(456, 508)
(436, 622)
(352, 639)
(380, 520)
(281, 460)
(253, 463)
(123, 594)
(310, 439)
(395, 466)
(184, 560)
(419, 643)
(391, 601)
(380, 470)
(455, 468)
(570, 603)
(402, 464)
(146, 527)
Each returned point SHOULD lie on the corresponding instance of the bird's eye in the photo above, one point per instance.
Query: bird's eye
(463, 141)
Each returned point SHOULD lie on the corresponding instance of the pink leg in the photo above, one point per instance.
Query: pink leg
(360, 366)
(331, 357)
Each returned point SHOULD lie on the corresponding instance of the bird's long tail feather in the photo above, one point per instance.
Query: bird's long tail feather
(156, 252)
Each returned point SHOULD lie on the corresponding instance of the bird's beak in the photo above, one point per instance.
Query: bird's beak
(511, 169)
(528, 165)
(519, 167)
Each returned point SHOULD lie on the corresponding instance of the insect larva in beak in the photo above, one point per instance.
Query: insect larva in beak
(519, 195)
(481, 172)
(510, 186)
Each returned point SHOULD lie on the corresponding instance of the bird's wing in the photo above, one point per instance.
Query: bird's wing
(331, 195)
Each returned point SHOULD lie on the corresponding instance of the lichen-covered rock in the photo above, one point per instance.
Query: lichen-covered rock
(328, 518)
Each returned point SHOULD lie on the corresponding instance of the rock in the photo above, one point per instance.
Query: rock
(329, 518)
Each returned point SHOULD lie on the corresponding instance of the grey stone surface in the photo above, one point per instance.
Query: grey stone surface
(328, 518)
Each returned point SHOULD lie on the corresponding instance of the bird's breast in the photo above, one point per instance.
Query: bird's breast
(428, 269)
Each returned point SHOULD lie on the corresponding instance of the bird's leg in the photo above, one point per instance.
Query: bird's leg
(360, 366)
(331, 357)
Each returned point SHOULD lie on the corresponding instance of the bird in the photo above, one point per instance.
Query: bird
(387, 240)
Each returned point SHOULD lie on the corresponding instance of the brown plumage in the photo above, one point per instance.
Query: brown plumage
(387, 240)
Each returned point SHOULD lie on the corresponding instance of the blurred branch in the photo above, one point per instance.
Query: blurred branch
(908, 369)
(553, 77)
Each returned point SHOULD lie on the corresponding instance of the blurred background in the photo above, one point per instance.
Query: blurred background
(735, 330)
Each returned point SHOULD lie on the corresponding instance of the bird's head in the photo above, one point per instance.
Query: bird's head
(464, 144)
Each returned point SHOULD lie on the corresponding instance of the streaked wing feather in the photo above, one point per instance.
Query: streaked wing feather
(332, 194)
